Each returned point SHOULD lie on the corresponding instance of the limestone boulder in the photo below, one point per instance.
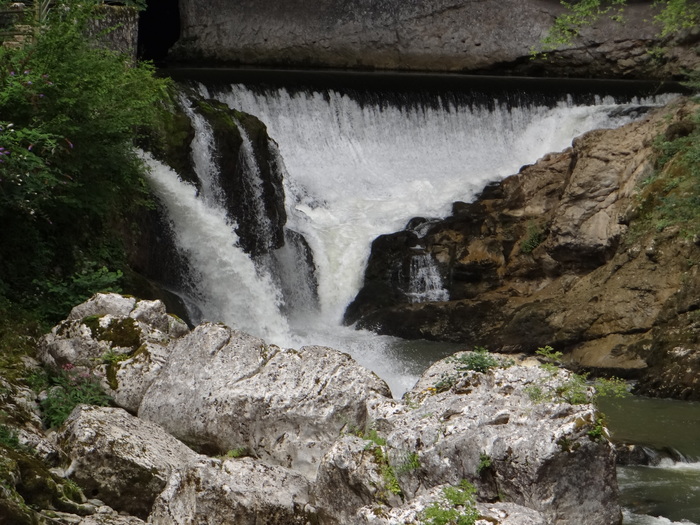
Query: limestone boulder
(510, 432)
(107, 324)
(234, 492)
(120, 459)
(222, 389)
(498, 513)
(120, 339)
(354, 473)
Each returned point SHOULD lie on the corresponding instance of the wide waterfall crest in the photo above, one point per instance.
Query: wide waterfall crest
(352, 170)
(361, 168)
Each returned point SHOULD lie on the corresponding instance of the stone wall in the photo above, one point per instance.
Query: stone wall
(437, 35)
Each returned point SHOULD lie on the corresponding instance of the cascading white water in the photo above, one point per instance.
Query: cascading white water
(203, 156)
(224, 279)
(425, 282)
(353, 172)
(358, 170)
(255, 182)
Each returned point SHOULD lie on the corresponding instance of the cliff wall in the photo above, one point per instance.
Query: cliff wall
(477, 36)
(593, 251)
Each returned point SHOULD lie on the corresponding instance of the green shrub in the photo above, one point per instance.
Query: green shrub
(576, 390)
(534, 237)
(485, 463)
(69, 176)
(71, 388)
(410, 463)
(457, 506)
(237, 452)
(8, 437)
(480, 360)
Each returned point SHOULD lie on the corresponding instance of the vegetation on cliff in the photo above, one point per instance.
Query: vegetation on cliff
(672, 16)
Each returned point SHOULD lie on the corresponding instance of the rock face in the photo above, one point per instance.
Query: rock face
(119, 459)
(234, 492)
(553, 256)
(224, 390)
(309, 437)
(439, 35)
(516, 451)
(250, 176)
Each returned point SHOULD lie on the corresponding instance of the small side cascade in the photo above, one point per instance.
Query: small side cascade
(203, 155)
(425, 282)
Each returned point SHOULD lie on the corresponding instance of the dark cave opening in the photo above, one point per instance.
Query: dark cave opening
(159, 29)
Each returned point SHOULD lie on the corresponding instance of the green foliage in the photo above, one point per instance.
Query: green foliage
(8, 437)
(548, 353)
(54, 297)
(18, 332)
(534, 237)
(237, 452)
(671, 197)
(578, 15)
(71, 388)
(457, 506)
(70, 111)
(598, 431)
(671, 16)
(485, 463)
(374, 438)
(576, 390)
(389, 479)
(480, 360)
(410, 463)
(112, 358)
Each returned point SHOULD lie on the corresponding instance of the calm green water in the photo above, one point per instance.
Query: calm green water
(670, 491)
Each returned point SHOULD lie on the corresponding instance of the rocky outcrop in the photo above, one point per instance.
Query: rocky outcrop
(119, 459)
(561, 254)
(508, 450)
(439, 35)
(308, 436)
(235, 492)
(223, 390)
(250, 176)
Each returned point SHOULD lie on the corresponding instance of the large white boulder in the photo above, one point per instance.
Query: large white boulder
(108, 325)
(120, 459)
(510, 433)
(222, 389)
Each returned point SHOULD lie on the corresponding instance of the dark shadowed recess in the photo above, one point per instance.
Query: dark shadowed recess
(159, 29)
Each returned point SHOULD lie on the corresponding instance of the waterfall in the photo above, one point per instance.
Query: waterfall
(225, 284)
(425, 282)
(359, 168)
(352, 169)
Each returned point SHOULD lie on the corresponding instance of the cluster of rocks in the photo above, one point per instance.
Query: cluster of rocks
(215, 426)
(560, 254)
